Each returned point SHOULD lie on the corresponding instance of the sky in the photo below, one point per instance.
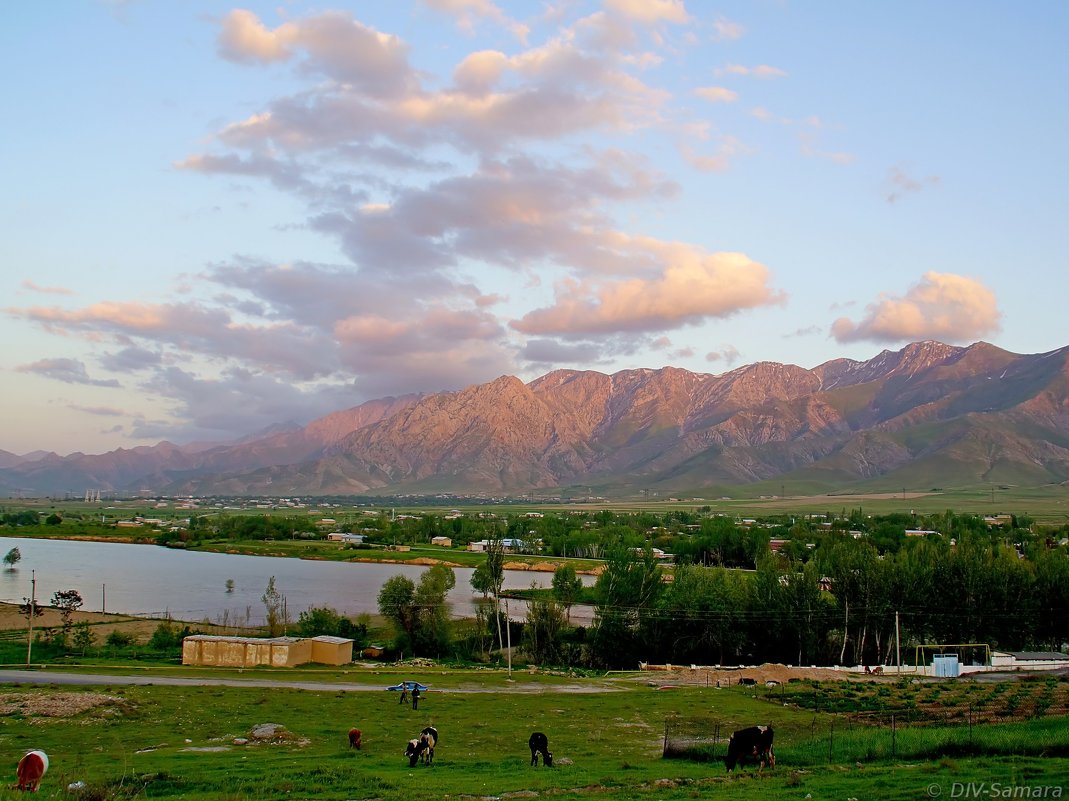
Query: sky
(218, 218)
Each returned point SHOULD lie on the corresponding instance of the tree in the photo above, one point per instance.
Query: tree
(566, 588)
(83, 637)
(541, 635)
(431, 635)
(12, 558)
(67, 602)
(419, 612)
(275, 604)
(397, 604)
(324, 620)
(481, 580)
(495, 570)
(30, 610)
(627, 592)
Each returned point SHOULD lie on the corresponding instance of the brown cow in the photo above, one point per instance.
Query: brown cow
(354, 738)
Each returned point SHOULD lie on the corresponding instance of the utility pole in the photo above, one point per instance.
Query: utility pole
(508, 636)
(33, 608)
(898, 645)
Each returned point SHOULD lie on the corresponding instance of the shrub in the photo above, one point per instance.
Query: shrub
(120, 639)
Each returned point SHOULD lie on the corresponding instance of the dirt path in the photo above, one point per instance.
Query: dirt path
(91, 679)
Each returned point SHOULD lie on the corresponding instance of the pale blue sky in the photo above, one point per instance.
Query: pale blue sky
(220, 217)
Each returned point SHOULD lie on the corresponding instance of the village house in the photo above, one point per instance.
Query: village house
(347, 536)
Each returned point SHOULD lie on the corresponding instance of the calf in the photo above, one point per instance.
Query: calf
(30, 770)
(539, 744)
(751, 745)
(422, 747)
(354, 738)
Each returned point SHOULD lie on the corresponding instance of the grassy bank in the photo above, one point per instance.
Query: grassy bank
(179, 742)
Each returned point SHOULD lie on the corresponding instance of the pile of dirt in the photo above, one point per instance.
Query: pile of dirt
(57, 704)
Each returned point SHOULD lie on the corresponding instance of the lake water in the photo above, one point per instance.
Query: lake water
(191, 586)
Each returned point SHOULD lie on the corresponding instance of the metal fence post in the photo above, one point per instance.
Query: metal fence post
(894, 736)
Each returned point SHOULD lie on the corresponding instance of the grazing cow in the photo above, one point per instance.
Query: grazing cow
(539, 744)
(30, 770)
(354, 738)
(751, 745)
(422, 747)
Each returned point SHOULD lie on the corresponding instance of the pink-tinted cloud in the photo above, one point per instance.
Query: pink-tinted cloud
(728, 149)
(46, 290)
(760, 71)
(244, 38)
(716, 94)
(694, 286)
(650, 12)
(468, 13)
(727, 30)
(940, 306)
(728, 354)
(900, 183)
(100, 411)
(333, 43)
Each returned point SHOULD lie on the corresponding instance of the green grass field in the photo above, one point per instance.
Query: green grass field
(178, 742)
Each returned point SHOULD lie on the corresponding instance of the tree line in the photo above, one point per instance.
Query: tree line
(841, 601)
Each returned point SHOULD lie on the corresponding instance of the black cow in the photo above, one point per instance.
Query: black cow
(422, 747)
(539, 744)
(751, 745)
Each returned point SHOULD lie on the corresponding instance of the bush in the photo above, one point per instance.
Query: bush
(120, 639)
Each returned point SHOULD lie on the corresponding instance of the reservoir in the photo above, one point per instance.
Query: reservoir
(153, 581)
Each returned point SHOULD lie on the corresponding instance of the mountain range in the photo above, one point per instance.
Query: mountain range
(928, 415)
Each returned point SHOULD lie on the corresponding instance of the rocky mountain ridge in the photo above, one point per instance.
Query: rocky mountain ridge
(928, 414)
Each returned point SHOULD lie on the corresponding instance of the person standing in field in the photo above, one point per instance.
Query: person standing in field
(415, 698)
